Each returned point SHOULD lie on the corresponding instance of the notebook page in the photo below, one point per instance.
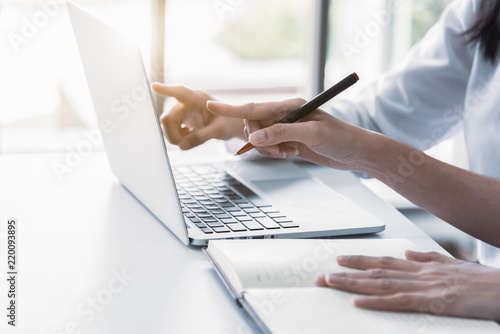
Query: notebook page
(323, 310)
(297, 263)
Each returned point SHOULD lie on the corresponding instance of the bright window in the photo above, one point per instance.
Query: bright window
(238, 50)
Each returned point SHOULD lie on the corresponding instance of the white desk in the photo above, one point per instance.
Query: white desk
(73, 235)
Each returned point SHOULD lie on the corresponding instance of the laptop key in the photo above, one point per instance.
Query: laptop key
(268, 223)
(222, 229)
(270, 209)
(206, 230)
(282, 220)
(221, 201)
(215, 224)
(276, 215)
(244, 218)
(252, 210)
(229, 221)
(200, 225)
(237, 213)
(257, 215)
(252, 225)
(202, 198)
(289, 225)
(222, 215)
(245, 205)
(237, 227)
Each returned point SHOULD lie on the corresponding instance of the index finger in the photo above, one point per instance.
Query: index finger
(384, 262)
(255, 110)
(181, 93)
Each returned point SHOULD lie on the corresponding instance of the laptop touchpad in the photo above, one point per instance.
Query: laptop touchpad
(296, 192)
(266, 170)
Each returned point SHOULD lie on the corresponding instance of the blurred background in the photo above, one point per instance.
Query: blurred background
(237, 50)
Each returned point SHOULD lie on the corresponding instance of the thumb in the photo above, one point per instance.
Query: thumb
(282, 132)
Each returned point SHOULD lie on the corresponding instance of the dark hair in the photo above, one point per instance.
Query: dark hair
(486, 29)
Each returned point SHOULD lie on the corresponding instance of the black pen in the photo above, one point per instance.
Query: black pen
(314, 104)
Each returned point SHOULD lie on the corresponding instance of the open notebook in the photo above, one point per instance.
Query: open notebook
(274, 280)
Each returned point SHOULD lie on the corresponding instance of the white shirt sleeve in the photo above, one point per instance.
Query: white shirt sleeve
(413, 104)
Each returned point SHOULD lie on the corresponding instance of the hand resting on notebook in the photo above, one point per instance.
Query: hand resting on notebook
(426, 282)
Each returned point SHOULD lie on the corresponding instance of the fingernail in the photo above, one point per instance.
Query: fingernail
(333, 279)
(360, 301)
(257, 137)
(213, 104)
(343, 258)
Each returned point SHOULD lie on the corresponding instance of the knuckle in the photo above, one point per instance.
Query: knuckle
(314, 127)
(386, 261)
(403, 300)
(250, 106)
(387, 284)
(295, 101)
(193, 140)
(290, 104)
(376, 273)
(279, 130)
(354, 259)
(351, 283)
(342, 276)
(300, 100)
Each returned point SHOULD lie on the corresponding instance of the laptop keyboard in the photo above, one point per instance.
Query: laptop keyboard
(218, 203)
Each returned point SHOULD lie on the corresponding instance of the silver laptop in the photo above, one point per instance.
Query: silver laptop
(198, 203)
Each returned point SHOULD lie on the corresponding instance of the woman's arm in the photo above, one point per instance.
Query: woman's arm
(466, 200)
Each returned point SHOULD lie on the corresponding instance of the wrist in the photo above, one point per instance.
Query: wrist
(372, 148)
(391, 161)
(379, 154)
